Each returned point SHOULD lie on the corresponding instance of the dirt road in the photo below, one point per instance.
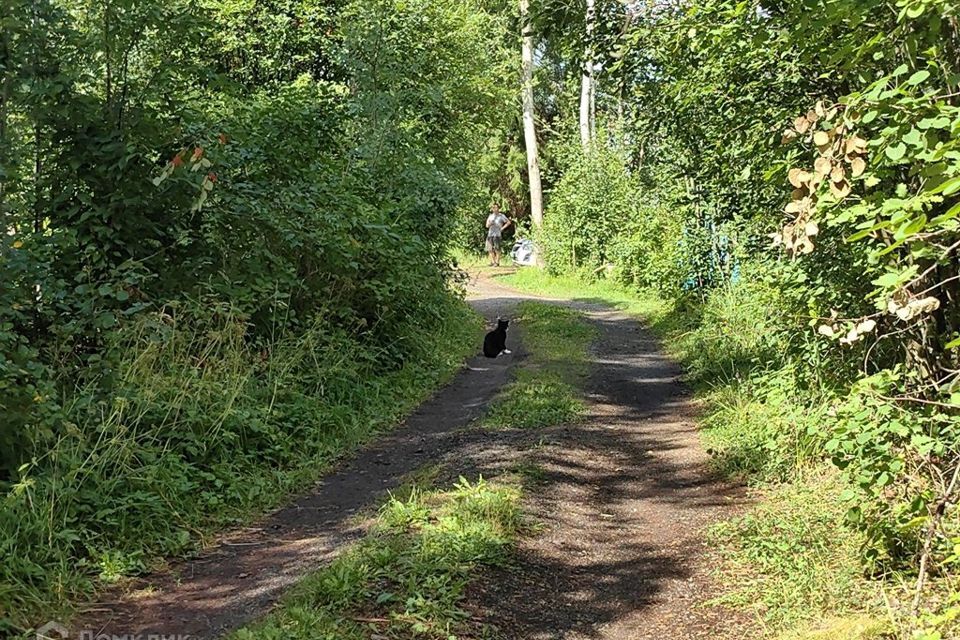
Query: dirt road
(625, 497)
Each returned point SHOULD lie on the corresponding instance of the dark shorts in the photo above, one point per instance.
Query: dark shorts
(493, 243)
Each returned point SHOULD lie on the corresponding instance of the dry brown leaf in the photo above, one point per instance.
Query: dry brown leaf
(856, 145)
(918, 307)
(851, 337)
(799, 206)
(823, 166)
(866, 326)
(788, 136)
(788, 238)
(811, 228)
(802, 125)
(821, 138)
(857, 166)
(840, 189)
(838, 174)
(794, 176)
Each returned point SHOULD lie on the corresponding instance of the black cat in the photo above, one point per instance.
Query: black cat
(495, 342)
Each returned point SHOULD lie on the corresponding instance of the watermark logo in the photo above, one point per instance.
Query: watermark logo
(53, 630)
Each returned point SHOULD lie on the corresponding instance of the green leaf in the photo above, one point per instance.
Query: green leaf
(896, 152)
(918, 77)
(949, 187)
(915, 522)
(911, 227)
(941, 122)
(951, 213)
(914, 138)
(859, 235)
(888, 279)
(894, 278)
(915, 11)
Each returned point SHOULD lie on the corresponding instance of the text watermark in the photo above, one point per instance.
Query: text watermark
(55, 630)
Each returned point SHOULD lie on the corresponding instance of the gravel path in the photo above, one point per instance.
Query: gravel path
(625, 498)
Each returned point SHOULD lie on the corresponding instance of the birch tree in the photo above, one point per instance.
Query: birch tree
(529, 125)
(587, 102)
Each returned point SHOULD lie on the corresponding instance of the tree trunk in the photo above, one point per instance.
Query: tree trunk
(586, 83)
(6, 81)
(529, 126)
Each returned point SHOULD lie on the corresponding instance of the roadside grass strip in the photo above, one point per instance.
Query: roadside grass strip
(545, 391)
(408, 576)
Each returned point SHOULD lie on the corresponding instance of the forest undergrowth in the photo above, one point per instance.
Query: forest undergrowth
(264, 428)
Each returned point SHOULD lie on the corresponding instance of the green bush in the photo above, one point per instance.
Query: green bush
(649, 249)
(592, 201)
(830, 129)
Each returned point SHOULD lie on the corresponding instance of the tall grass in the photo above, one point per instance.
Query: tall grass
(788, 561)
(203, 430)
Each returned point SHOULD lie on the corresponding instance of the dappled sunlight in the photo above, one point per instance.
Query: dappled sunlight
(249, 251)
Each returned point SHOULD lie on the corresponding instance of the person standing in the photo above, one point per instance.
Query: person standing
(496, 223)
